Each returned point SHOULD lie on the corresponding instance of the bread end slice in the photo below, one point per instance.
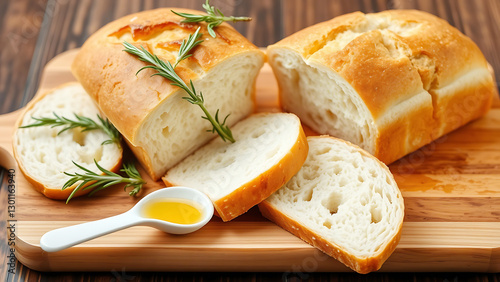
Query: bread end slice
(43, 156)
(330, 209)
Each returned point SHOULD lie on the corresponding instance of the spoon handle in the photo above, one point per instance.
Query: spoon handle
(66, 237)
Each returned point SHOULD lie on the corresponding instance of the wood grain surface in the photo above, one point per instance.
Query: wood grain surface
(34, 31)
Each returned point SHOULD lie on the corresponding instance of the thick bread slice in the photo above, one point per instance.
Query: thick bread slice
(43, 156)
(389, 82)
(344, 202)
(161, 127)
(269, 149)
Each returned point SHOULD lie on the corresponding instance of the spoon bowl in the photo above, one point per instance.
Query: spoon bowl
(205, 205)
(66, 237)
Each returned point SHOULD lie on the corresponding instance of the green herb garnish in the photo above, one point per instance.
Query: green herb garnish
(85, 123)
(166, 70)
(109, 178)
(186, 47)
(214, 18)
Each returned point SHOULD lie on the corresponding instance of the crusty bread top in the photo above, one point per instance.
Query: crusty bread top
(412, 46)
(109, 74)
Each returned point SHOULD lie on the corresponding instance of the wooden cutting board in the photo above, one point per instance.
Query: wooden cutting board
(451, 189)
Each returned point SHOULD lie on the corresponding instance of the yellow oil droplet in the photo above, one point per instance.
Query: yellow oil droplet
(179, 211)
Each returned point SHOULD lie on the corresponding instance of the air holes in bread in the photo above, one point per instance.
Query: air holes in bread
(332, 203)
(309, 173)
(378, 190)
(388, 180)
(337, 170)
(41, 157)
(165, 131)
(343, 182)
(98, 154)
(258, 133)
(331, 116)
(323, 150)
(78, 136)
(327, 224)
(307, 195)
(376, 214)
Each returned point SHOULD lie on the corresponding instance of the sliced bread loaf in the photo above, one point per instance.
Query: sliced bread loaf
(389, 82)
(43, 156)
(344, 202)
(160, 127)
(269, 149)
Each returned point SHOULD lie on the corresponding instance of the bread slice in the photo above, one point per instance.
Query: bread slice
(161, 127)
(43, 156)
(389, 82)
(344, 202)
(269, 149)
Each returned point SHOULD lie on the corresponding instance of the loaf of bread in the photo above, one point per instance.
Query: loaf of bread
(43, 155)
(270, 148)
(161, 127)
(389, 82)
(344, 202)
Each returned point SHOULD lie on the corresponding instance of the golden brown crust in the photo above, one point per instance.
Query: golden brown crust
(109, 74)
(49, 192)
(451, 51)
(258, 189)
(313, 38)
(405, 134)
(466, 104)
(397, 55)
(379, 71)
(358, 264)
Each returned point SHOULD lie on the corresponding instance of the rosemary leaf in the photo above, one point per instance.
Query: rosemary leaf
(99, 182)
(187, 46)
(166, 70)
(214, 18)
(85, 123)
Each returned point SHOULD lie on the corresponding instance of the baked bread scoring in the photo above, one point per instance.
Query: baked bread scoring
(389, 82)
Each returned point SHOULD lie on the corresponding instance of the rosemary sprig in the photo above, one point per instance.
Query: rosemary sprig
(187, 46)
(109, 178)
(166, 70)
(85, 123)
(214, 18)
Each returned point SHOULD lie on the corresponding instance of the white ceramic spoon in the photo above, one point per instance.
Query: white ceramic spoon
(66, 237)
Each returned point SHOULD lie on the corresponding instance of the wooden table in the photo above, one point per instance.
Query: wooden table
(33, 32)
